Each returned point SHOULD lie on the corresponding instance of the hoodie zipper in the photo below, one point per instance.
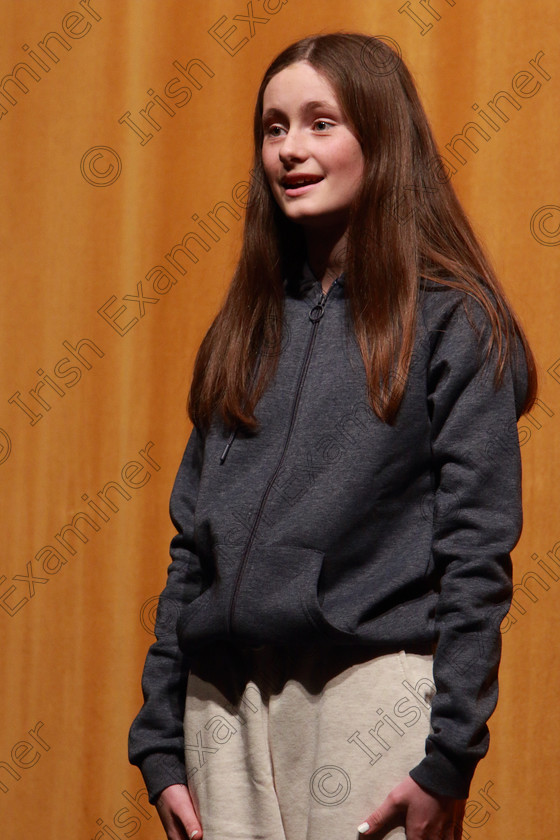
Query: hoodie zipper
(315, 315)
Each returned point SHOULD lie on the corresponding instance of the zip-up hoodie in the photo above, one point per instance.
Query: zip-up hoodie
(329, 524)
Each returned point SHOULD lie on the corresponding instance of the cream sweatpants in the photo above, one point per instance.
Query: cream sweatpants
(284, 744)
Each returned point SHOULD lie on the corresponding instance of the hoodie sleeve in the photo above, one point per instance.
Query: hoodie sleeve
(477, 522)
(156, 740)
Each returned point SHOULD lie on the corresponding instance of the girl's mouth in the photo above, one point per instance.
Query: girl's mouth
(299, 189)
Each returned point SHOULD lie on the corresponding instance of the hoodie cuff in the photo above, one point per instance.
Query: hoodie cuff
(160, 770)
(437, 774)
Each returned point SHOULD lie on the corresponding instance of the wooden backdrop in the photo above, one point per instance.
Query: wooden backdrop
(124, 127)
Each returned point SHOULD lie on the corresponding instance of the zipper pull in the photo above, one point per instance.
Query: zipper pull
(318, 310)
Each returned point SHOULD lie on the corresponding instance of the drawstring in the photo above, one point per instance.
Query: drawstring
(224, 454)
(228, 445)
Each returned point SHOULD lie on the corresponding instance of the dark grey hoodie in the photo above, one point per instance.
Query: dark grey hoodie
(329, 524)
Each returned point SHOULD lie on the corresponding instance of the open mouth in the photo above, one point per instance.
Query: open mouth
(301, 184)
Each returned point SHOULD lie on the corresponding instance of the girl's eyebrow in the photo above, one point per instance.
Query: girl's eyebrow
(311, 105)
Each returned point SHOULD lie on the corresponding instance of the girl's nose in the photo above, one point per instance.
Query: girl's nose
(293, 146)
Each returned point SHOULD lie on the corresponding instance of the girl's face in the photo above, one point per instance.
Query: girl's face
(307, 139)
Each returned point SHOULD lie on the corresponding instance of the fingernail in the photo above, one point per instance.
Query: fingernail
(193, 834)
(363, 827)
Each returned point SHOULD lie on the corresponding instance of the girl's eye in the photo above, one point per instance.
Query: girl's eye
(276, 130)
(323, 123)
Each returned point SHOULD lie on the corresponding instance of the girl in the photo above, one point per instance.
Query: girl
(328, 639)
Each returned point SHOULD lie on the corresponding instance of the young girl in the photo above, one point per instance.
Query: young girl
(328, 639)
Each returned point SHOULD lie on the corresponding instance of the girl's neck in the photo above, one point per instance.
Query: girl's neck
(326, 253)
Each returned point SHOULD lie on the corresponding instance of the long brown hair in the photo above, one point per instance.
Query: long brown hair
(405, 223)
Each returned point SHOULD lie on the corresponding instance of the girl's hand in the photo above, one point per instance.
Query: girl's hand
(429, 816)
(177, 814)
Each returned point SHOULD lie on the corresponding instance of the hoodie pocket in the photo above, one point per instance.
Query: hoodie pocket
(313, 609)
(278, 598)
(202, 620)
(190, 610)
